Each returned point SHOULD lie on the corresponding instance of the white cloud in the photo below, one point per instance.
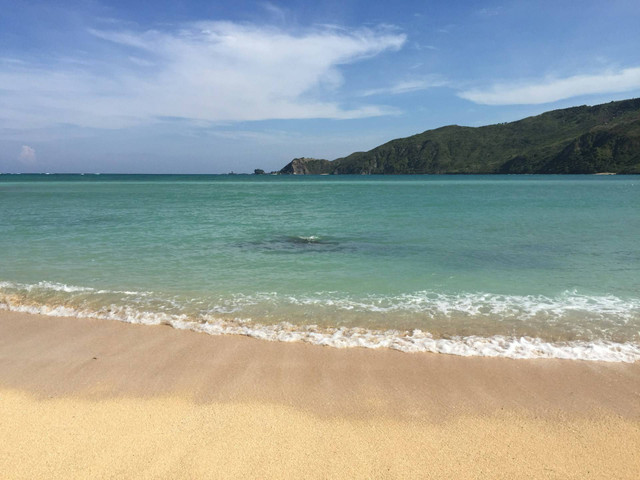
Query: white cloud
(423, 46)
(279, 14)
(211, 71)
(551, 90)
(27, 155)
(405, 86)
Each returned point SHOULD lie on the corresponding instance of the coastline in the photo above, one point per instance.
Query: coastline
(103, 399)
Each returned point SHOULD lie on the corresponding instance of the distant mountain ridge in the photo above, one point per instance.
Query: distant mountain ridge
(597, 139)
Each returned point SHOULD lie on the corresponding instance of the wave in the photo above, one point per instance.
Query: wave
(61, 287)
(216, 320)
(434, 304)
(428, 304)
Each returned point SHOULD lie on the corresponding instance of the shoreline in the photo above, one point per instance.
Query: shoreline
(521, 345)
(273, 409)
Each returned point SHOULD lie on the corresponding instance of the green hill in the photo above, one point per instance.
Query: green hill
(602, 138)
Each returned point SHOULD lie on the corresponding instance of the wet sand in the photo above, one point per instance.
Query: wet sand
(83, 398)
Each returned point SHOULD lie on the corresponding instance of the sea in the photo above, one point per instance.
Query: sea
(501, 266)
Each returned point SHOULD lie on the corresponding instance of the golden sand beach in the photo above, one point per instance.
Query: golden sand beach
(83, 398)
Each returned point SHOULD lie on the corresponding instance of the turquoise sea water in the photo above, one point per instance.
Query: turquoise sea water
(517, 266)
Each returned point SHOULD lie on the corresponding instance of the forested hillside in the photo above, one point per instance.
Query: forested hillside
(602, 138)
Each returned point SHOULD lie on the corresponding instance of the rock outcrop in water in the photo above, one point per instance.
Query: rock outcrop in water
(602, 138)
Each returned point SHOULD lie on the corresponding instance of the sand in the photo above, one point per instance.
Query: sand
(84, 398)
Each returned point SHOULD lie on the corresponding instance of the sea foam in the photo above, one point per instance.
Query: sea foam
(220, 319)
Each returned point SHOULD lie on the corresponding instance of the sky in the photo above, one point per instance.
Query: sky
(198, 86)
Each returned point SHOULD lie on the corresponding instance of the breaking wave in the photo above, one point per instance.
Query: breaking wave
(237, 315)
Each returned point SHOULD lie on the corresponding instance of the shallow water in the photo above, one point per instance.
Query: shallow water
(519, 266)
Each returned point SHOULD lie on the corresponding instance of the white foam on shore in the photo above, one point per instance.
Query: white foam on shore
(435, 304)
(346, 337)
(61, 287)
(426, 303)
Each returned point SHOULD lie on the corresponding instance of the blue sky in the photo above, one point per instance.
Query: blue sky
(220, 86)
